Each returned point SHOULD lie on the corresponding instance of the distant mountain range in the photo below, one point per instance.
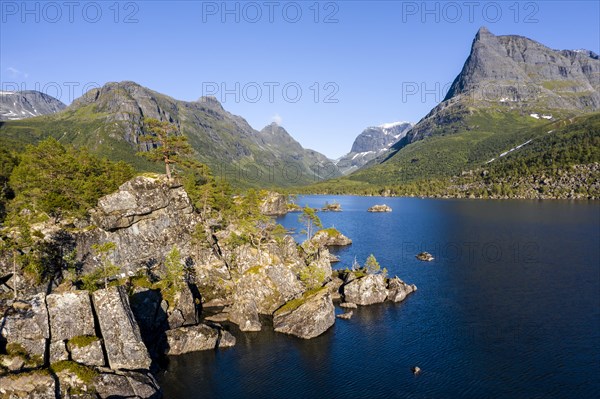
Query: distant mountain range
(516, 106)
(26, 104)
(110, 121)
(371, 143)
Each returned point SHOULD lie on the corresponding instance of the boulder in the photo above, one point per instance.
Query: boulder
(379, 208)
(28, 327)
(196, 338)
(70, 315)
(33, 385)
(122, 338)
(274, 204)
(130, 384)
(348, 305)
(306, 317)
(89, 354)
(244, 313)
(366, 290)
(398, 289)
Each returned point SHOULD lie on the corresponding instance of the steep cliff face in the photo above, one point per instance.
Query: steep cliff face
(514, 73)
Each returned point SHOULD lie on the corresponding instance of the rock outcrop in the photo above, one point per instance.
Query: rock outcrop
(361, 289)
(366, 290)
(379, 208)
(197, 338)
(306, 317)
(16, 105)
(70, 315)
(274, 204)
(34, 385)
(122, 338)
(28, 327)
(330, 238)
(147, 212)
(398, 289)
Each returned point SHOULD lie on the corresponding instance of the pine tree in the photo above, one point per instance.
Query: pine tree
(167, 146)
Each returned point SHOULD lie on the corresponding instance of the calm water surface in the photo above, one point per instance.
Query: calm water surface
(510, 308)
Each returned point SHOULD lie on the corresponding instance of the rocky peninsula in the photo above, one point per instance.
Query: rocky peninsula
(170, 264)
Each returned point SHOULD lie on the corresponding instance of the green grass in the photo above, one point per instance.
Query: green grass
(84, 373)
(296, 303)
(81, 341)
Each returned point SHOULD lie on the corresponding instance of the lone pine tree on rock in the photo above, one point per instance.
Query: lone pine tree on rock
(166, 145)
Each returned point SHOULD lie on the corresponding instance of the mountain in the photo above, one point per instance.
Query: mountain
(371, 143)
(289, 151)
(110, 120)
(508, 88)
(15, 105)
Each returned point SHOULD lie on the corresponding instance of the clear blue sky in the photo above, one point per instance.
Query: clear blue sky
(367, 59)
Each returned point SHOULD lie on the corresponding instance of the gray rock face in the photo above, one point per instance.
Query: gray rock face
(244, 313)
(373, 141)
(120, 331)
(35, 385)
(28, 327)
(515, 73)
(16, 105)
(274, 204)
(314, 315)
(70, 315)
(90, 355)
(398, 289)
(127, 385)
(197, 338)
(366, 290)
(146, 212)
(58, 351)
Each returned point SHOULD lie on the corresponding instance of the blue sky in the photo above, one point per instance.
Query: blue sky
(324, 70)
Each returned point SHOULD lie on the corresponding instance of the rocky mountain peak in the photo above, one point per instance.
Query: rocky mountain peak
(15, 105)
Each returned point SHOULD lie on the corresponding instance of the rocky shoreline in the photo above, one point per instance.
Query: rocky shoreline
(107, 343)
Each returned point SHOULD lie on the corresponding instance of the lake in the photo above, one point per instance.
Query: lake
(510, 307)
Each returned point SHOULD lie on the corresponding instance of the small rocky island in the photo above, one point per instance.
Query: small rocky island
(331, 207)
(157, 275)
(379, 208)
(425, 257)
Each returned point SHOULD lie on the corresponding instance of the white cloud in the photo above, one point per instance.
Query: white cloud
(277, 119)
(17, 74)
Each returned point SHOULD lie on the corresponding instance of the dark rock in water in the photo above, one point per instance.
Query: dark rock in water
(425, 257)
(306, 317)
(197, 338)
(379, 208)
(120, 330)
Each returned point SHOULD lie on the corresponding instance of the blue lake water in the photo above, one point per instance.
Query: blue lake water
(510, 307)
